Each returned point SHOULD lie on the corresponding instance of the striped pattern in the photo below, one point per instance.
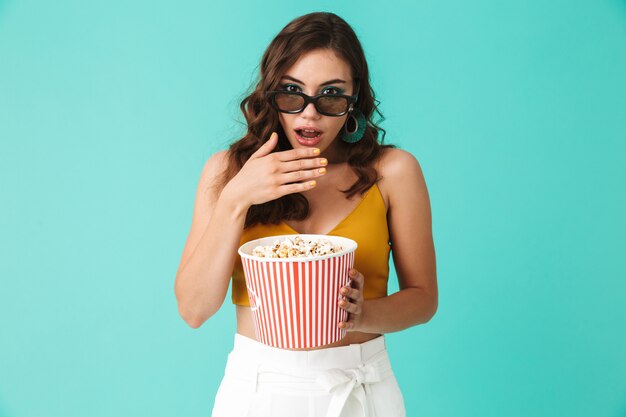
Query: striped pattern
(295, 304)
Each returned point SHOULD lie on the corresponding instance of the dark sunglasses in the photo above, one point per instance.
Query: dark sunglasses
(327, 104)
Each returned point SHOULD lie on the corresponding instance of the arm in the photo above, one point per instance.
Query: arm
(207, 263)
(410, 227)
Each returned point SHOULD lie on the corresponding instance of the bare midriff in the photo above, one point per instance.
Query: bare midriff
(245, 327)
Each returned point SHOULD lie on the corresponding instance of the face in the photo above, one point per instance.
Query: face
(316, 72)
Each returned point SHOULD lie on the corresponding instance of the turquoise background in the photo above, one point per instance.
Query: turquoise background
(515, 110)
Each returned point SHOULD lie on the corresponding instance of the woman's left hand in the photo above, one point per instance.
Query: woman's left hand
(352, 301)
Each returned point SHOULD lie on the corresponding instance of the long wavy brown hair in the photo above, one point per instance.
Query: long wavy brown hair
(319, 30)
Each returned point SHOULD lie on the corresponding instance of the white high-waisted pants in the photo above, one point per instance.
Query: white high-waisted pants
(347, 381)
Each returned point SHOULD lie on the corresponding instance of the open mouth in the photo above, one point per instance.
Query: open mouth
(308, 134)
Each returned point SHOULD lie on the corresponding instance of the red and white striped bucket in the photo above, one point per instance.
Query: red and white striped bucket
(294, 301)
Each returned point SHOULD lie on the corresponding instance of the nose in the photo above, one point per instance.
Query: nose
(310, 112)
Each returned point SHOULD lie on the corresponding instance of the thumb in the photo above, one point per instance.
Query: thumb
(267, 147)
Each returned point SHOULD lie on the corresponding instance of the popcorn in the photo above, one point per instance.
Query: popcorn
(297, 248)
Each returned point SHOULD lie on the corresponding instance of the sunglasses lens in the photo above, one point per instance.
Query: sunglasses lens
(333, 105)
(288, 102)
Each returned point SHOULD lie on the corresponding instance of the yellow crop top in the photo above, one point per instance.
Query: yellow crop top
(366, 224)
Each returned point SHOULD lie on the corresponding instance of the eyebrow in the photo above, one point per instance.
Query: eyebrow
(335, 81)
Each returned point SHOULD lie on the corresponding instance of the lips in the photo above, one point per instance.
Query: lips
(308, 135)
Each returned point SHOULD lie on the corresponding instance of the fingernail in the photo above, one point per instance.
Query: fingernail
(312, 183)
(324, 161)
(322, 170)
(344, 290)
(316, 151)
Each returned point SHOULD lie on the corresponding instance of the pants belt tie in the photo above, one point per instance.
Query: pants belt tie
(345, 382)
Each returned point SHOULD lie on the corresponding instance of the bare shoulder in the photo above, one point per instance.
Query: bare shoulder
(212, 170)
(397, 162)
(398, 168)
(216, 163)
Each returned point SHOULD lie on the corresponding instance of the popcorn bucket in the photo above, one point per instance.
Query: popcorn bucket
(294, 301)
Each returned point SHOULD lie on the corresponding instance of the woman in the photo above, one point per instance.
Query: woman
(311, 147)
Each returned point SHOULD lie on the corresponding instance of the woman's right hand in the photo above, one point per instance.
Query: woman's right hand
(267, 176)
